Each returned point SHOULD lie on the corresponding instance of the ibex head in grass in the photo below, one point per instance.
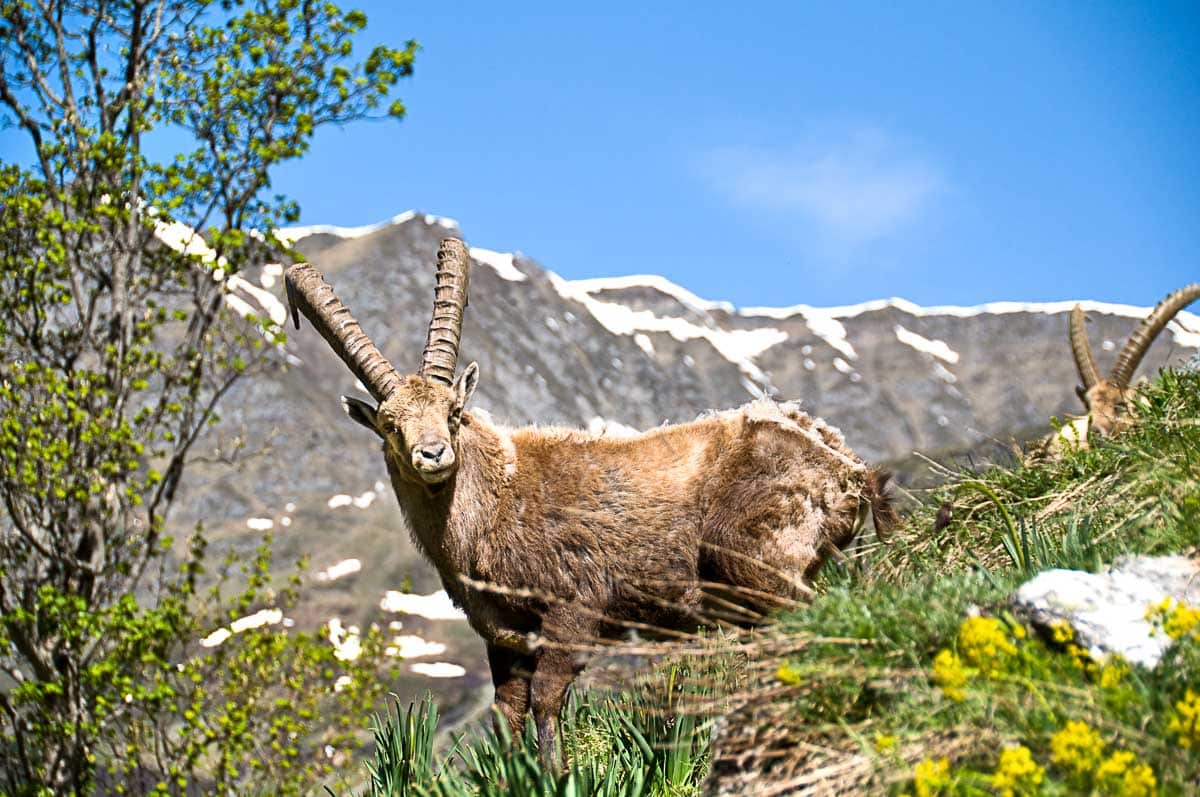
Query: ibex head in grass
(1107, 398)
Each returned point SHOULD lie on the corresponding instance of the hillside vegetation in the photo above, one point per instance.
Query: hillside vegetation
(907, 674)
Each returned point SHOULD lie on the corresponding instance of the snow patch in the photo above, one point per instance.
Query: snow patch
(347, 644)
(440, 669)
(361, 501)
(656, 282)
(739, 346)
(937, 348)
(260, 523)
(256, 620)
(344, 568)
(943, 373)
(830, 330)
(216, 638)
(502, 262)
(185, 240)
(270, 275)
(410, 646)
(1185, 327)
(644, 342)
(434, 606)
(842, 365)
(289, 235)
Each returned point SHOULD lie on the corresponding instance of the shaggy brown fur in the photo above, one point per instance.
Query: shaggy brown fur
(575, 534)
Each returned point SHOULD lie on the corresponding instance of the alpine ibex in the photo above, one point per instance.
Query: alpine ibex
(1107, 398)
(551, 538)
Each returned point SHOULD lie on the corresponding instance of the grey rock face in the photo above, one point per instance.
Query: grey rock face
(1107, 611)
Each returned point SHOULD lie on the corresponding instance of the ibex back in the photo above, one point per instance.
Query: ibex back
(550, 539)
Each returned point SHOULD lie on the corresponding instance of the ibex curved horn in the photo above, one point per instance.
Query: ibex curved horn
(309, 293)
(440, 356)
(1139, 342)
(1085, 362)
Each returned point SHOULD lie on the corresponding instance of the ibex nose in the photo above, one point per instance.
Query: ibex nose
(434, 452)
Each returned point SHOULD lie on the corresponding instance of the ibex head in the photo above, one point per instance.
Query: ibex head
(1107, 398)
(418, 416)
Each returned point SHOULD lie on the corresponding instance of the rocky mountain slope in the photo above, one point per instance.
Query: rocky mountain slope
(612, 355)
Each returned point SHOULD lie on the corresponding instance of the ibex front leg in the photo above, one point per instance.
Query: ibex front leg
(511, 674)
(557, 665)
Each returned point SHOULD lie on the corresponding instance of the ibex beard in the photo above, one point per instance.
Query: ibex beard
(551, 539)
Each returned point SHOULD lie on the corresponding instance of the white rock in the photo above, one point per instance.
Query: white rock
(1108, 610)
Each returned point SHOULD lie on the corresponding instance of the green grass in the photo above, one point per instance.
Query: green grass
(631, 744)
(843, 695)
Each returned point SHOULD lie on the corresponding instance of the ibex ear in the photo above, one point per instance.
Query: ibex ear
(464, 386)
(360, 412)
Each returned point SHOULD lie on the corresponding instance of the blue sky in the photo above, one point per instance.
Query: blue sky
(777, 153)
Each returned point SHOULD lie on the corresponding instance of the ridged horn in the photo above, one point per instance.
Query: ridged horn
(440, 356)
(309, 293)
(1085, 362)
(1139, 342)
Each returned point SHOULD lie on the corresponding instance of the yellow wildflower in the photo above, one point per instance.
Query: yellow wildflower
(983, 643)
(1017, 773)
(1185, 723)
(1061, 632)
(1120, 774)
(1077, 748)
(789, 675)
(1113, 673)
(885, 743)
(1081, 659)
(950, 674)
(932, 776)
(1175, 619)
(1181, 621)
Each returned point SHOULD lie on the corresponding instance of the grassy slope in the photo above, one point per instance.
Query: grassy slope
(844, 694)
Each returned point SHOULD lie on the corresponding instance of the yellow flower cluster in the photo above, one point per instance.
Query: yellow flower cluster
(1120, 774)
(1082, 659)
(950, 674)
(1062, 632)
(1186, 721)
(1077, 748)
(1175, 619)
(931, 777)
(1017, 773)
(984, 643)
